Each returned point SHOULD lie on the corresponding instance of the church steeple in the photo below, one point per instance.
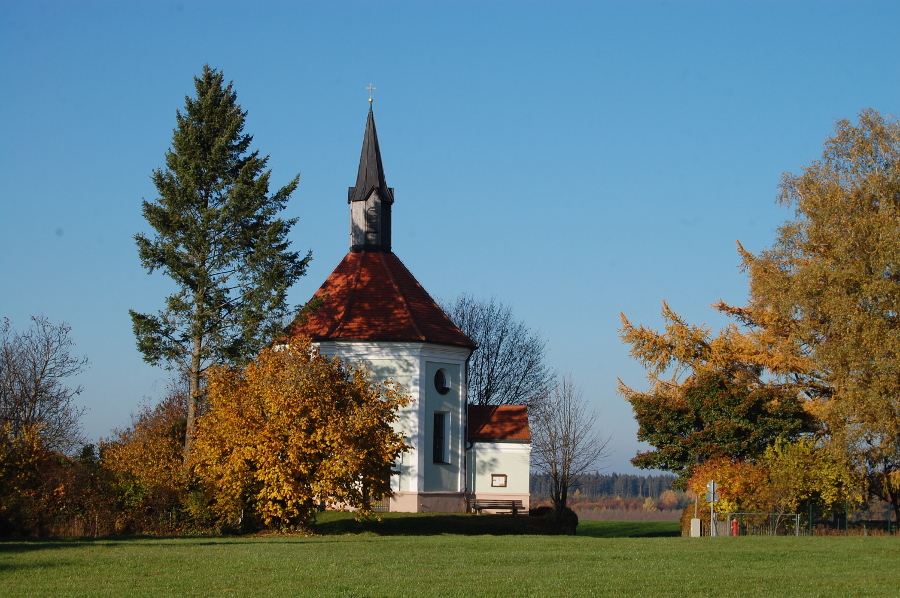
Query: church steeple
(370, 200)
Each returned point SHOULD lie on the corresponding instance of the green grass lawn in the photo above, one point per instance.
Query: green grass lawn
(456, 556)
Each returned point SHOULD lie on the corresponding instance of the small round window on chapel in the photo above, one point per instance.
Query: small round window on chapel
(441, 381)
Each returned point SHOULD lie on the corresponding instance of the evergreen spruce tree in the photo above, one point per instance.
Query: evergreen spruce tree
(217, 235)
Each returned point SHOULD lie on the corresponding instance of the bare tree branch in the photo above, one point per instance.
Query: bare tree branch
(565, 440)
(508, 367)
(33, 366)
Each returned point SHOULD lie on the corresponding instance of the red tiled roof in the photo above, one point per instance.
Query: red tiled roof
(498, 422)
(372, 296)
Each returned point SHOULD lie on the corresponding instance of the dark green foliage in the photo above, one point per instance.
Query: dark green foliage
(218, 237)
(540, 511)
(540, 521)
(553, 521)
(714, 416)
(563, 521)
(427, 524)
(628, 529)
(566, 521)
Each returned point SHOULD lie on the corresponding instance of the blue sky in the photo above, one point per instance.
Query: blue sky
(573, 159)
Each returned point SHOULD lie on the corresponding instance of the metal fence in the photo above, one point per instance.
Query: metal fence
(383, 505)
(757, 524)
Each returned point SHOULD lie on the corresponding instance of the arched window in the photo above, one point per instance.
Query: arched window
(441, 381)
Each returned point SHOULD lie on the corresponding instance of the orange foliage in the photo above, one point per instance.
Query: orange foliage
(147, 457)
(293, 429)
(667, 500)
(19, 453)
(743, 486)
(46, 493)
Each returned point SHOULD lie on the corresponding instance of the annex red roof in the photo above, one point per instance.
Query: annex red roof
(498, 422)
(371, 295)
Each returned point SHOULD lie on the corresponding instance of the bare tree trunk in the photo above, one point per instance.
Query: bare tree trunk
(896, 513)
(560, 499)
(893, 500)
(565, 440)
(193, 406)
(193, 401)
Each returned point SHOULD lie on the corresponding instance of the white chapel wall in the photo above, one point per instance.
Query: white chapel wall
(397, 362)
(443, 477)
(413, 365)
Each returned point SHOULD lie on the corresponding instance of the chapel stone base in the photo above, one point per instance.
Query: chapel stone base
(428, 502)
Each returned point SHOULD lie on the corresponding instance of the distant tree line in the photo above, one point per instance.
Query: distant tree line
(599, 485)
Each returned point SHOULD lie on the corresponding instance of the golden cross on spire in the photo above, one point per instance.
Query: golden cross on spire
(370, 88)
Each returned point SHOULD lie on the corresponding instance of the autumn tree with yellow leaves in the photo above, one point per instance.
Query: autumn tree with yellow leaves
(787, 478)
(822, 324)
(20, 454)
(292, 430)
(828, 290)
(808, 472)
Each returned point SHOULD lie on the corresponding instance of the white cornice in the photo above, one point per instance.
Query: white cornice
(392, 350)
(503, 446)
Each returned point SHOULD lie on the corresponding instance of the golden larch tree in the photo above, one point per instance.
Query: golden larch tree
(829, 290)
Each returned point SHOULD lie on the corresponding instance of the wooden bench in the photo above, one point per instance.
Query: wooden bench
(479, 505)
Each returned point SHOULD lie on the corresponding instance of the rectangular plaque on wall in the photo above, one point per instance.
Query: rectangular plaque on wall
(498, 480)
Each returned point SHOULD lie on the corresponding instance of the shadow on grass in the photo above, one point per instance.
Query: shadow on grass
(32, 544)
(629, 529)
(333, 523)
(426, 524)
(44, 544)
(422, 524)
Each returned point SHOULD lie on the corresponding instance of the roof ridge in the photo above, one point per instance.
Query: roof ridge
(409, 311)
(346, 306)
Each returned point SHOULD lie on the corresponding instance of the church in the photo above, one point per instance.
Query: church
(374, 311)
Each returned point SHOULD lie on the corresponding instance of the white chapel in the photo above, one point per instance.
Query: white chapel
(374, 311)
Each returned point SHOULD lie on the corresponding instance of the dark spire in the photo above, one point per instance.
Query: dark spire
(371, 172)
(370, 200)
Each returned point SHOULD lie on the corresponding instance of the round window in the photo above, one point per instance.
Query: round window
(441, 381)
